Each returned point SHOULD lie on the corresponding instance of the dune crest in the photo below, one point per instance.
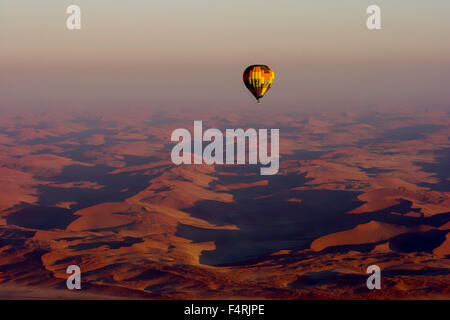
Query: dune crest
(370, 232)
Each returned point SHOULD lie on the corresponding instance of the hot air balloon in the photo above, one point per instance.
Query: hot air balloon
(258, 79)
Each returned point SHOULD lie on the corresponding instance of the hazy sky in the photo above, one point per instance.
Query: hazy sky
(183, 52)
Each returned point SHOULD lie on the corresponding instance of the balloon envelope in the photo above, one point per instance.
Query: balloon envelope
(258, 79)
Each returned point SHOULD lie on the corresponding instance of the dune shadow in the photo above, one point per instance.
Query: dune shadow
(41, 217)
(321, 278)
(268, 221)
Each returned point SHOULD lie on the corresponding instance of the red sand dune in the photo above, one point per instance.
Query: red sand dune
(141, 227)
(370, 232)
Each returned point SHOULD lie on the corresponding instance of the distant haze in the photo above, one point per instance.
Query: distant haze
(191, 53)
